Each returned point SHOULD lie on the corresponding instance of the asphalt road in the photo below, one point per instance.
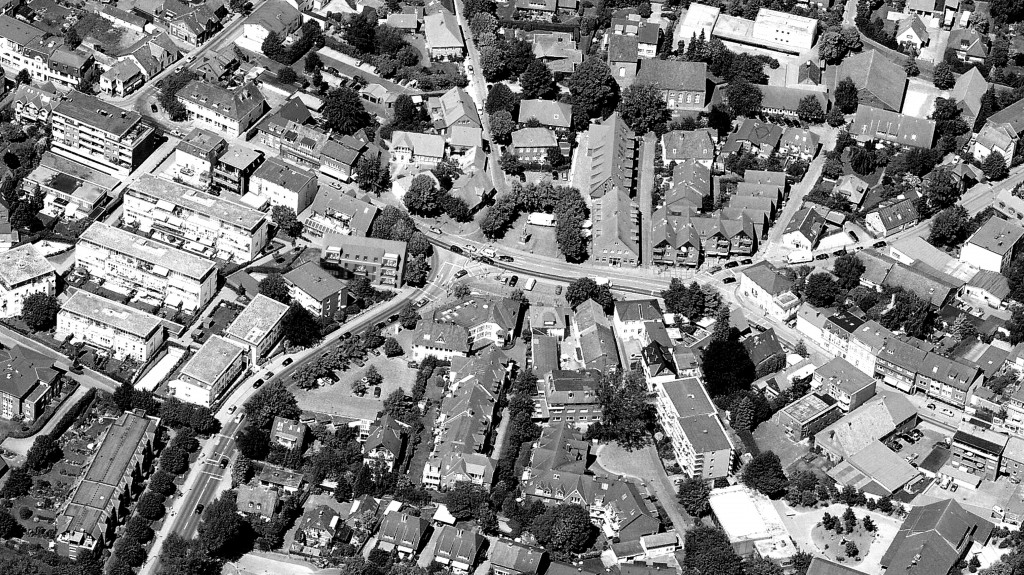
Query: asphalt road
(211, 473)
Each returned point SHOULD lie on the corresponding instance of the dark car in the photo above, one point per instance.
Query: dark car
(854, 236)
(461, 273)
(376, 391)
(730, 265)
(880, 244)
(746, 262)
(558, 290)
(506, 259)
(513, 281)
(154, 108)
(838, 253)
(223, 462)
(821, 257)
(715, 270)
(916, 434)
(486, 260)
(199, 508)
(288, 362)
(346, 335)
(257, 383)
(729, 280)
(394, 317)
(455, 249)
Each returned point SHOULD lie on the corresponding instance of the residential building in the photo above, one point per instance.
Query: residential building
(487, 319)
(1001, 133)
(319, 527)
(552, 321)
(852, 187)
(453, 108)
(458, 548)
(278, 16)
(616, 229)
(210, 372)
(754, 136)
(944, 529)
(569, 396)
(899, 362)
(195, 221)
(196, 27)
(892, 217)
(680, 146)
(809, 415)
(785, 101)
(968, 45)
(880, 419)
(47, 58)
(101, 497)
(978, 450)
(1012, 462)
(402, 532)
(799, 143)
(533, 145)
(612, 153)
(30, 380)
(682, 84)
(702, 447)
(545, 9)
(100, 135)
(558, 50)
(866, 345)
(770, 291)
(23, 272)
(302, 145)
(346, 213)
(416, 148)
(441, 340)
(123, 331)
(382, 261)
(221, 110)
(843, 382)
(631, 317)
(967, 92)
(256, 500)
(912, 33)
(278, 183)
(152, 271)
(551, 114)
(836, 332)
(288, 433)
(881, 83)
(805, 229)
(872, 124)
(34, 103)
(234, 168)
(315, 289)
(752, 524)
(596, 340)
(947, 380)
(281, 479)
(993, 245)
(385, 444)
(510, 558)
(258, 328)
(615, 505)
(443, 35)
(194, 158)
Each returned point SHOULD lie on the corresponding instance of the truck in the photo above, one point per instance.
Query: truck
(800, 257)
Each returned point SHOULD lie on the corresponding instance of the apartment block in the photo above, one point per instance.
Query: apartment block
(279, 183)
(318, 291)
(837, 330)
(899, 361)
(348, 257)
(841, 381)
(234, 168)
(47, 58)
(198, 222)
(28, 381)
(259, 326)
(121, 330)
(100, 135)
(569, 396)
(690, 419)
(978, 450)
(231, 112)
(101, 496)
(210, 371)
(948, 380)
(23, 272)
(153, 271)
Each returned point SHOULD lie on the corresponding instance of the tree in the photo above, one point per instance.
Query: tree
(626, 416)
(963, 329)
(743, 419)
(693, 495)
(286, 221)
(502, 125)
(71, 38)
(44, 452)
(849, 519)
(269, 401)
(500, 97)
(536, 80)
(163, 482)
(23, 77)
(644, 9)
(869, 525)
(174, 460)
(464, 499)
(851, 549)
(9, 526)
(408, 318)
(509, 163)
(831, 46)
(150, 506)
(423, 197)
(343, 111)
(820, 289)
(949, 228)
(944, 78)
(138, 529)
(911, 68)
(809, 110)
(761, 566)
(312, 63)
(300, 327)
(848, 268)
(835, 117)
(392, 348)
(286, 75)
(39, 311)
(846, 96)
(372, 175)
(744, 97)
(564, 528)
(594, 91)
(994, 166)
(643, 108)
(361, 32)
(274, 287)
(862, 160)
(416, 271)
(582, 289)
(764, 473)
(19, 483)
(221, 525)
(483, 24)
(708, 551)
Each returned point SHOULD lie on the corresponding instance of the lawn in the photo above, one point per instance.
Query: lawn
(833, 545)
(338, 399)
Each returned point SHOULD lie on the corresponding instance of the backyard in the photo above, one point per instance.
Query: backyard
(338, 399)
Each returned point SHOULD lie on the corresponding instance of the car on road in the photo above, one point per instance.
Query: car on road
(489, 252)
(715, 270)
(455, 249)
(394, 317)
(199, 509)
(461, 274)
(154, 108)
(558, 290)
(821, 257)
(176, 132)
(513, 281)
(729, 280)
(436, 230)
(422, 302)
(931, 406)
(257, 383)
(471, 249)
(346, 335)
(746, 262)
(854, 236)
(838, 253)
(880, 244)
(232, 409)
(507, 259)
(730, 265)
(486, 260)
(376, 391)
(269, 375)
(287, 362)
(336, 185)
(239, 418)
(223, 462)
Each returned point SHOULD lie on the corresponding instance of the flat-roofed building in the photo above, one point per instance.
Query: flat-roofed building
(194, 158)
(210, 371)
(809, 415)
(994, 245)
(348, 257)
(100, 500)
(23, 272)
(100, 135)
(195, 221)
(689, 418)
(750, 520)
(152, 270)
(978, 450)
(123, 331)
(845, 383)
(770, 29)
(259, 326)
(234, 168)
(72, 189)
(282, 184)
(315, 289)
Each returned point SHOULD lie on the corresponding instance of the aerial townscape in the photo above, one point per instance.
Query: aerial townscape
(511, 287)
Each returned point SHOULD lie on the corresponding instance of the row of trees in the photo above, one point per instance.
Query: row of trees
(566, 203)
(428, 196)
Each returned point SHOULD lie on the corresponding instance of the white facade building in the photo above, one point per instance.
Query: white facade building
(123, 331)
(259, 325)
(210, 371)
(23, 272)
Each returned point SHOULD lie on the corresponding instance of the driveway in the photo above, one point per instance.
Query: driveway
(647, 182)
(774, 250)
(22, 445)
(644, 465)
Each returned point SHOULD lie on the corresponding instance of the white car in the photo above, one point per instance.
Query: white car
(470, 248)
(489, 253)
(436, 230)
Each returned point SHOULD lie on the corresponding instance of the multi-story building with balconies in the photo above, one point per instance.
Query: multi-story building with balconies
(23, 272)
(231, 112)
(100, 135)
(210, 371)
(113, 327)
(47, 58)
(195, 221)
(278, 183)
(232, 170)
(690, 420)
(152, 270)
(382, 261)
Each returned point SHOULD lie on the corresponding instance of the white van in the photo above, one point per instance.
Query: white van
(800, 257)
(529, 284)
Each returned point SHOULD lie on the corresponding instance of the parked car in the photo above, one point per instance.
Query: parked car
(513, 281)
(232, 409)
(507, 259)
(558, 290)
(461, 274)
(954, 486)
(346, 335)
(715, 270)
(838, 253)
(821, 257)
(880, 244)
(895, 446)
(470, 249)
(257, 383)
(489, 252)
(223, 462)
(730, 265)
(199, 509)
(746, 262)
(287, 362)
(486, 260)
(854, 236)
(917, 434)
(455, 249)
(931, 406)
(436, 230)
(154, 108)
(413, 364)
(729, 280)
(376, 391)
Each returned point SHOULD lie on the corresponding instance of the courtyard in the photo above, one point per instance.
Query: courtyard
(803, 525)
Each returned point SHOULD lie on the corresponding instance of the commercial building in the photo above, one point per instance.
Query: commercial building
(258, 327)
(100, 135)
(100, 500)
(123, 331)
(809, 415)
(875, 470)
(23, 272)
(231, 112)
(28, 380)
(880, 125)
(865, 346)
(487, 319)
(948, 380)
(899, 362)
(154, 272)
(770, 291)
(71, 189)
(195, 221)
(978, 450)
(210, 371)
(881, 83)
(346, 213)
(348, 257)
(845, 383)
(616, 229)
(315, 289)
(770, 29)
(994, 245)
(278, 183)
(934, 538)
(702, 447)
(751, 523)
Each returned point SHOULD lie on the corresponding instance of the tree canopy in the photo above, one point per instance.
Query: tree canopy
(764, 473)
(643, 109)
(273, 399)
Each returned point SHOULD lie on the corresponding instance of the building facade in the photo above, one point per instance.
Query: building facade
(123, 331)
(211, 371)
(23, 272)
(100, 135)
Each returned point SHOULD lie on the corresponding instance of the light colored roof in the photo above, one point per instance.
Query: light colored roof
(997, 235)
(209, 205)
(548, 112)
(875, 123)
(878, 464)
(112, 313)
(872, 421)
(257, 319)
(840, 372)
(215, 357)
(161, 256)
(914, 24)
(442, 336)
(430, 145)
(534, 138)
(744, 514)
(442, 30)
(21, 264)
